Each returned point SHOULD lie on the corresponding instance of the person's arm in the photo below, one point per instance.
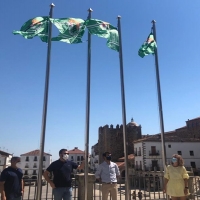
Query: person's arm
(22, 183)
(117, 172)
(98, 173)
(186, 186)
(3, 195)
(46, 176)
(185, 178)
(165, 184)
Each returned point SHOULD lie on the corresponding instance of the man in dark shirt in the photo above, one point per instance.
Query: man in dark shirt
(11, 182)
(62, 170)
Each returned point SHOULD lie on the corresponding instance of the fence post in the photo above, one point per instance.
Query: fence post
(81, 186)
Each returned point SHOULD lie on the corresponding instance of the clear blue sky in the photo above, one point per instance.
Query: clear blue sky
(23, 64)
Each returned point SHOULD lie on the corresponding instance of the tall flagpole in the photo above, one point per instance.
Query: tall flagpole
(127, 191)
(42, 137)
(87, 110)
(159, 100)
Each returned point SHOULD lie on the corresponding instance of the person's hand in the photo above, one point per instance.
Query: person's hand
(186, 191)
(52, 185)
(3, 198)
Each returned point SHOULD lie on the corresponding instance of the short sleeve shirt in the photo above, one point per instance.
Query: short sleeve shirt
(62, 172)
(12, 185)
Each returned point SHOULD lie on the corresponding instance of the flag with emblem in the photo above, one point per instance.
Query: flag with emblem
(148, 47)
(99, 28)
(113, 40)
(37, 26)
(71, 30)
(104, 30)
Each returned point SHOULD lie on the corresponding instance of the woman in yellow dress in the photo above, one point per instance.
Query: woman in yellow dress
(176, 179)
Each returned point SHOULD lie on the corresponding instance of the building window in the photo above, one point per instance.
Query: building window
(193, 165)
(72, 158)
(35, 165)
(179, 153)
(26, 172)
(169, 145)
(44, 158)
(82, 158)
(35, 158)
(34, 172)
(191, 153)
(140, 165)
(27, 158)
(77, 163)
(78, 158)
(26, 166)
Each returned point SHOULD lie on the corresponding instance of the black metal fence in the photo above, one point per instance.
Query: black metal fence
(149, 185)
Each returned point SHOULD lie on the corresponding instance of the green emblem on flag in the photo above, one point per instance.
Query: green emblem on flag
(37, 26)
(148, 47)
(71, 30)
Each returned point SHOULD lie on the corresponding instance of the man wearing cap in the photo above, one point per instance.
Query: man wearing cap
(11, 182)
(107, 173)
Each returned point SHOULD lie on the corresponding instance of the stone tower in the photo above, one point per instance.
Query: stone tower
(111, 139)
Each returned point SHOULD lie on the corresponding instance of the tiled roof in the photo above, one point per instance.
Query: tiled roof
(193, 119)
(75, 151)
(3, 153)
(169, 137)
(34, 153)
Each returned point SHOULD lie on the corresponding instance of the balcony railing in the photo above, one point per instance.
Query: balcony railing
(34, 166)
(26, 166)
(154, 153)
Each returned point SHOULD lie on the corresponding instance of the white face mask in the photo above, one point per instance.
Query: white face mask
(65, 156)
(18, 164)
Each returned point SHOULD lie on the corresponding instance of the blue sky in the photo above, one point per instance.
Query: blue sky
(23, 65)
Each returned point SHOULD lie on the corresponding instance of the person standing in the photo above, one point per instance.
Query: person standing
(107, 173)
(139, 195)
(61, 169)
(11, 182)
(176, 179)
(134, 195)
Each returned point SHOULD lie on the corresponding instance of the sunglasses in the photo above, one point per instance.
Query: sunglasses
(66, 153)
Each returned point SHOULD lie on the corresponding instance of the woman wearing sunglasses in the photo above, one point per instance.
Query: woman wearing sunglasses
(176, 179)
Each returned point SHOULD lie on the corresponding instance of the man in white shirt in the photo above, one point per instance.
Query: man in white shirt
(107, 173)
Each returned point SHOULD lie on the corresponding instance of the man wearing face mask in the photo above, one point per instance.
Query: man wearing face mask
(107, 173)
(11, 182)
(61, 169)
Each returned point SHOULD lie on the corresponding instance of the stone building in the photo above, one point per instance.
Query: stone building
(191, 130)
(111, 139)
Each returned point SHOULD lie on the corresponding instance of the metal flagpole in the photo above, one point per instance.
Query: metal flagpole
(159, 101)
(87, 110)
(127, 192)
(42, 137)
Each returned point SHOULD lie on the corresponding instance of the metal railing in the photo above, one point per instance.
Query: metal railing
(150, 184)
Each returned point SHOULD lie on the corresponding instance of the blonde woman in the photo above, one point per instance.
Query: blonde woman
(176, 179)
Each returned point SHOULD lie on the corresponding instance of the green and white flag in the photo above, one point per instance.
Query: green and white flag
(113, 40)
(71, 30)
(37, 26)
(104, 30)
(99, 28)
(148, 47)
